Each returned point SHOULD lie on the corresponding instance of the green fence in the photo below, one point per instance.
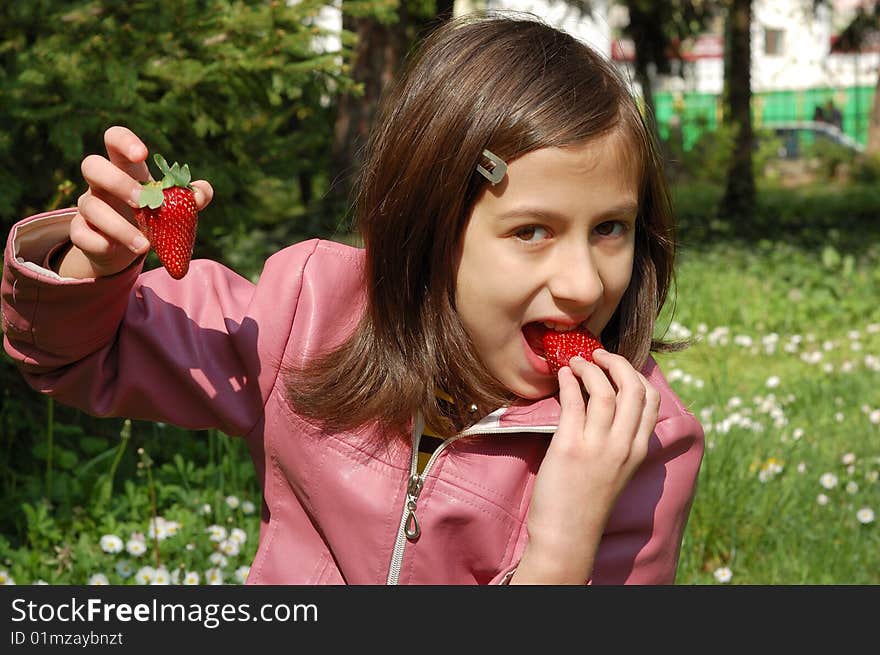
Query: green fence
(699, 112)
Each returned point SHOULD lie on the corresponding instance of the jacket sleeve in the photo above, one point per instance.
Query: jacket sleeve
(200, 352)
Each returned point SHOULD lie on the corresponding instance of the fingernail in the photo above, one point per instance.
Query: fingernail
(135, 198)
(576, 357)
(134, 153)
(139, 243)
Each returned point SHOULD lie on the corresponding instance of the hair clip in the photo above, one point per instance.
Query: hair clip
(499, 168)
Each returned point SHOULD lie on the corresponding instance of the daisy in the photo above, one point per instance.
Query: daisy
(217, 532)
(98, 579)
(124, 568)
(248, 507)
(191, 578)
(110, 543)
(5, 578)
(145, 575)
(723, 574)
(238, 535)
(214, 576)
(232, 501)
(136, 547)
(161, 576)
(241, 573)
(865, 515)
(828, 480)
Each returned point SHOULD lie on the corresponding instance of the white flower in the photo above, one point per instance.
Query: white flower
(874, 416)
(5, 578)
(723, 574)
(124, 569)
(40, 582)
(232, 501)
(872, 476)
(865, 515)
(828, 480)
(802, 467)
(239, 535)
(157, 530)
(839, 417)
(229, 547)
(206, 509)
(191, 578)
(213, 576)
(241, 573)
(797, 433)
(248, 507)
(852, 487)
(217, 532)
(98, 579)
(136, 547)
(161, 576)
(822, 499)
(217, 559)
(736, 401)
(848, 458)
(110, 543)
(145, 574)
(772, 381)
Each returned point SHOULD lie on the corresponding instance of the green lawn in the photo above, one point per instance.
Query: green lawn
(783, 372)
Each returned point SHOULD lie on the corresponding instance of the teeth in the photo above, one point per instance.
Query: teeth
(558, 328)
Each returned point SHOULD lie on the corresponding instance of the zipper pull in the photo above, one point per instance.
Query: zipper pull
(411, 526)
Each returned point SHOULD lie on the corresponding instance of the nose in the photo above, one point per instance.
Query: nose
(574, 277)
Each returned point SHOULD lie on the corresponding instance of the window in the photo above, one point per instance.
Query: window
(773, 41)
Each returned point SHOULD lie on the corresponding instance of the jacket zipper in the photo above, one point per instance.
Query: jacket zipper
(409, 529)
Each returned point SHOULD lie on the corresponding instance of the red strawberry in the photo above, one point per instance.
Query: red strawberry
(559, 347)
(168, 216)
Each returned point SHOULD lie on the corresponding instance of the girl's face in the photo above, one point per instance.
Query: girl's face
(553, 242)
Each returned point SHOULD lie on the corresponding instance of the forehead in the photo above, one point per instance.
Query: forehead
(598, 175)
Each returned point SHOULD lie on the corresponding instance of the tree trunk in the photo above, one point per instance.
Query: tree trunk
(739, 195)
(379, 52)
(873, 146)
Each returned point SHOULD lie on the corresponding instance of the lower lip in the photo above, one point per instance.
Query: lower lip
(539, 364)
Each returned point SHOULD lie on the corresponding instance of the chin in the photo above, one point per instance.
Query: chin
(537, 391)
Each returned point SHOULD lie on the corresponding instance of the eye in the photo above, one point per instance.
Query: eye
(531, 233)
(611, 228)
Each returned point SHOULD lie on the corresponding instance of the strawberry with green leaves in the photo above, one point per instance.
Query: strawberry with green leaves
(168, 216)
(560, 347)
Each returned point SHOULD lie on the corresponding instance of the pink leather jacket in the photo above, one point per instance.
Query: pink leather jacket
(205, 352)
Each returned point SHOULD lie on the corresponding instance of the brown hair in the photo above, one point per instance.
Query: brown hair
(511, 84)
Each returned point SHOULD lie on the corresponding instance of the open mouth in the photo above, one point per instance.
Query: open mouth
(534, 334)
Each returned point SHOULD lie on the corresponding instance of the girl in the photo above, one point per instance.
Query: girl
(510, 188)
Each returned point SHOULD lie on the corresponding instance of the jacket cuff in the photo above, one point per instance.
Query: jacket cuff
(33, 243)
(35, 297)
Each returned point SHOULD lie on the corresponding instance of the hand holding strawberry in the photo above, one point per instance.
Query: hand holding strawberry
(104, 232)
(168, 216)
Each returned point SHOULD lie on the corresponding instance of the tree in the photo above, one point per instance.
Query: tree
(383, 35)
(242, 90)
(738, 200)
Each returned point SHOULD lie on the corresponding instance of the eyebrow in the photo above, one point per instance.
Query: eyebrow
(625, 210)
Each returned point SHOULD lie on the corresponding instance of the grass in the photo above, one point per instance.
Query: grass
(783, 373)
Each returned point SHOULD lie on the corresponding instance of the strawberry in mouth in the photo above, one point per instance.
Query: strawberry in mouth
(558, 347)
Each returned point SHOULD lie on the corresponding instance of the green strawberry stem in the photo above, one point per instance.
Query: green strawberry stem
(174, 175)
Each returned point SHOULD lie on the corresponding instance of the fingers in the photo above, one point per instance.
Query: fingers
(127, 152)
(623, 406)
(106, 181)
(571, 400)
(204, 193)
(98, 228)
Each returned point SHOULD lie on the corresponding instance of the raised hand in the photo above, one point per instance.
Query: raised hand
(593, 454)
(105, 237)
